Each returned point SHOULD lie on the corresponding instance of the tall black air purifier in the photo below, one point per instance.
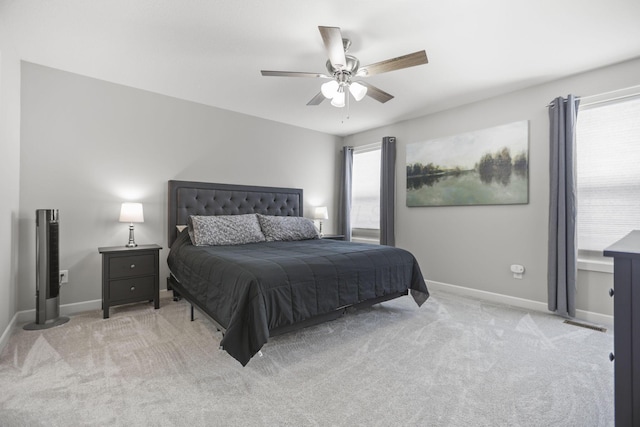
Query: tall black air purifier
(47, 271)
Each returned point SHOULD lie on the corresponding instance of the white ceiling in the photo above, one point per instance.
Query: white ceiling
(212, 51)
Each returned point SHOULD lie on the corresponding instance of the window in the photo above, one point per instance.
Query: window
(365, 194)
(608, 174)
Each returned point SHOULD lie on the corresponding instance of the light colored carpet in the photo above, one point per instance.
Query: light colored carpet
(454, 362)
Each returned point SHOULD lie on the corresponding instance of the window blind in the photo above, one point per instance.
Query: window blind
(365, 205)
(608, 173)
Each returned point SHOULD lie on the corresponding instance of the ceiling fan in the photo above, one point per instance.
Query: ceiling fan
(343, 69)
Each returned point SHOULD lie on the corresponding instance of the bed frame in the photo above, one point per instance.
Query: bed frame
(200, 198)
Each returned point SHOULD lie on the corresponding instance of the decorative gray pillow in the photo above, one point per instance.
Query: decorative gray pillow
(224, 230)
(287, 228)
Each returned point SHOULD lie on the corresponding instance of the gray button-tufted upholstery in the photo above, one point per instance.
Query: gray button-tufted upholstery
(198, 198)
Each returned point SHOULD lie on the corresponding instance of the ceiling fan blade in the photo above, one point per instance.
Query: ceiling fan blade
(405, 61)
(375, 93)
(316, 100)
(332, 38)
(294, 74)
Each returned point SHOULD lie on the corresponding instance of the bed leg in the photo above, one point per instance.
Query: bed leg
(192, 317)
(176, 296)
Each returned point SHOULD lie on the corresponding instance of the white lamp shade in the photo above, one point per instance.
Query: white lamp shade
(358, 90)
(131, 212)
(329, 89)
(321, 212)
(338, 100)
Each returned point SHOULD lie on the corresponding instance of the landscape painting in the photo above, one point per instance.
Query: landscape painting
(484, 167)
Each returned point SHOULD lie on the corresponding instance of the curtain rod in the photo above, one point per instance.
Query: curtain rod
(617, 98)
(368, 147)
(586, 98)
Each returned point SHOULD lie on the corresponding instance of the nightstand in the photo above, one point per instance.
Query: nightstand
(333, 236)
(130, 275)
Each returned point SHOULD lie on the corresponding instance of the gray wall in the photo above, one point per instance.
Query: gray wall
(473, 247)
(9, 177)
(88, 145)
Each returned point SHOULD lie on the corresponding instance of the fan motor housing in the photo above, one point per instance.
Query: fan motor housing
(351, 66)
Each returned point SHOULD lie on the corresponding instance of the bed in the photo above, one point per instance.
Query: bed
(259, 289)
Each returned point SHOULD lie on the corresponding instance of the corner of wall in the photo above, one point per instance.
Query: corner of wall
(10, 176)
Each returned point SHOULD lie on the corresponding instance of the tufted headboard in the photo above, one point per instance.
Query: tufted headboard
(203, 198)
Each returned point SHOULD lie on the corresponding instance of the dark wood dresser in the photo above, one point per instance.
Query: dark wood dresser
(626, 327)
(130, 275)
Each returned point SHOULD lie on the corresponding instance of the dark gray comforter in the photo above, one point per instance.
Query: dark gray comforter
(254, 288)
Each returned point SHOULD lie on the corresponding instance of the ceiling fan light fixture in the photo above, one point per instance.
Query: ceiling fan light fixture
(338, 99)
(329, 89)
(341, 68)
(358, 90)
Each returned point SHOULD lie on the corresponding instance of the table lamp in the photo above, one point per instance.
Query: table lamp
(131, 212)
(319, 214)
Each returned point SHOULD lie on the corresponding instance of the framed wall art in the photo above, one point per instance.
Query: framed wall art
(484, 167)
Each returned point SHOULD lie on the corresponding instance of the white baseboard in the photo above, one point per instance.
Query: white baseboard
(587, 316)
(65, 310)
(27, 316)
(4, 339)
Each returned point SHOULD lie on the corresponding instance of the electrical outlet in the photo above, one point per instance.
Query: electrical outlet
(64, 276)
(517, 270)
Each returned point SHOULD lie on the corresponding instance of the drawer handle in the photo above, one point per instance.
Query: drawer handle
(611, 357)
(611, 292)
(133, 288)
(133, 266)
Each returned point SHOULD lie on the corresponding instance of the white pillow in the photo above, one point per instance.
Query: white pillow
(287, 228)
(224, 230)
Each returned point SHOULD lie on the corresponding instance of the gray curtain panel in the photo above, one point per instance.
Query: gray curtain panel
(563, 251)
(344, 209)
(388, 191)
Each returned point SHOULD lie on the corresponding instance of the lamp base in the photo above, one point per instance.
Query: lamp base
(132, 243)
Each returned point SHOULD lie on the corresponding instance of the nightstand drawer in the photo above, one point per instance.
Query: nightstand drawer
(136, 288)
(131, 265)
